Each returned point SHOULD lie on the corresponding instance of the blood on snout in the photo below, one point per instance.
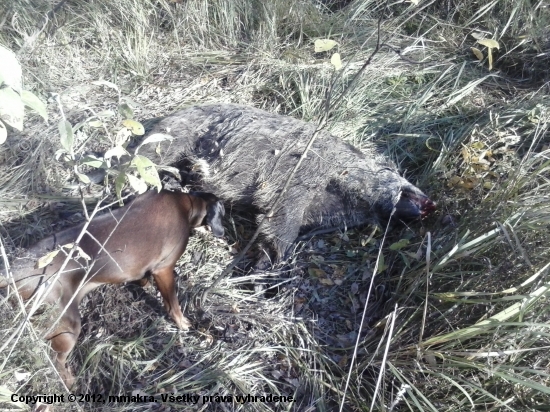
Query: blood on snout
(413, 205)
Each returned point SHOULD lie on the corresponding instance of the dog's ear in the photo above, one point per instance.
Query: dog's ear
(214, 215)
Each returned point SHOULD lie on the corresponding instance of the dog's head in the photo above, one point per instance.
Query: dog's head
(215, 211)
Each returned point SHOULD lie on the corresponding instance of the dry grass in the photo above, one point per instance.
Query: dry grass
(477, 141)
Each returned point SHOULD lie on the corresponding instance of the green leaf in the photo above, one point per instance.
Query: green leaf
(11, 108)
(10, 69)
(3, 132)
(126, 111)
(400, 244)
(83, 178)
(136, 127)
(381, 265)
(67, 137)
(147, 171)
(93, 161)
(322, 45)
(31, 100)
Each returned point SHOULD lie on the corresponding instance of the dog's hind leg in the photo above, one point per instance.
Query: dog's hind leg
(63, 340)
(166, 284)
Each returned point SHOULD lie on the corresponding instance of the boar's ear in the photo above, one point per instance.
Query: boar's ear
(214, 215)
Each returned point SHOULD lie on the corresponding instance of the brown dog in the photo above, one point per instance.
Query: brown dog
(147, 236)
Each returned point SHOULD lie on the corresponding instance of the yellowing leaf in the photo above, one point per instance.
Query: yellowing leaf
(490, 43)
(454, 181)
(316, 272)
(468, 183)
(478, 53)
(322, 45)
(122, 136)
(465, 154)
(137, 184)
(46, 259)
(336, 61)
(480, 161)
(326, 281)
(115, 151)
(136, 127)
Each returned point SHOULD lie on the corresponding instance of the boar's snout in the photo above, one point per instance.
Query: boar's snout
(413, 204)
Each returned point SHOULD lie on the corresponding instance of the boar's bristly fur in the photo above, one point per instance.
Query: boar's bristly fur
(244, 155)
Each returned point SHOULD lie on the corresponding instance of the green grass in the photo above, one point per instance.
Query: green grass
(457, 319)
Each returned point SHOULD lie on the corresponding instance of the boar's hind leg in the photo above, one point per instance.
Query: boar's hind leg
(283, 228)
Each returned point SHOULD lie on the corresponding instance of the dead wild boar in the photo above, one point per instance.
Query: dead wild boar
(243, 155)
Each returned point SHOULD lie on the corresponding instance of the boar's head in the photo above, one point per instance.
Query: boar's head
(381, 189)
